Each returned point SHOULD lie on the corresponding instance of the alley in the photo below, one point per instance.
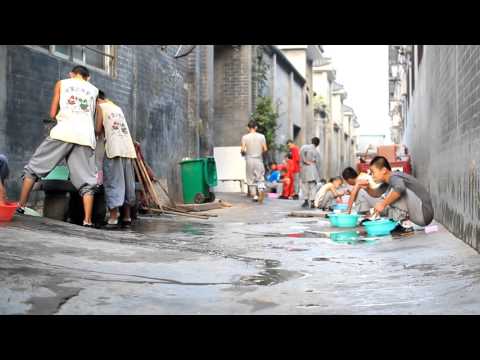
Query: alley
(250, 259)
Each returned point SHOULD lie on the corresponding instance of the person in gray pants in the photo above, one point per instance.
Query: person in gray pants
(71, 139)
(309, 172)
(405, 199)
(118, 174)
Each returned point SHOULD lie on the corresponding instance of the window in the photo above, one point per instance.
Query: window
(100, 57)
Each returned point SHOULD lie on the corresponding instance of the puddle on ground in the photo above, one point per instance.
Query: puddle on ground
(342, 237)
(169, 227)
(270, 277)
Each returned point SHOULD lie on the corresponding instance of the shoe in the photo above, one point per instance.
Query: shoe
(402, 231)
(295, 197)
(88, 225)
(283, 197)
(305, 205)
(312, 205)
(20, 210)
(255, 198)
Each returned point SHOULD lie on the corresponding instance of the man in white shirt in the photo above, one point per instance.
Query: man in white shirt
(118, 176)
(71, 139)
(253, 146)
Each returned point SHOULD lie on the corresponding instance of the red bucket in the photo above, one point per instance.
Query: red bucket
(7, 211)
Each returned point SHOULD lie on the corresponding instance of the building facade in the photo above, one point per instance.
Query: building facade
(179, 107)
(158, 93)
(442, 131)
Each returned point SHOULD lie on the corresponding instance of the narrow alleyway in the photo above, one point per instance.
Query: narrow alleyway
(249, 260)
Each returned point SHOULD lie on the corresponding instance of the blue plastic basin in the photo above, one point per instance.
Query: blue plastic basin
(379, 227)
(343, 220)
(333, 219)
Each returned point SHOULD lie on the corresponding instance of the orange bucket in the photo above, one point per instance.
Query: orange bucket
(7, 211)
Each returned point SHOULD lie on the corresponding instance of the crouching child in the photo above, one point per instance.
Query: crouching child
(405, 199)
(327, 194)
(118, 173)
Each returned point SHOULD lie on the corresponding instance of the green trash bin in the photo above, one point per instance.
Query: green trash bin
(199, 176)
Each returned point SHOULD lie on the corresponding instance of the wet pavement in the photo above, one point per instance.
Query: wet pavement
(251, 259)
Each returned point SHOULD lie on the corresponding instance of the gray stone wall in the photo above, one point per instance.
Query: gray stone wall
(443, 135)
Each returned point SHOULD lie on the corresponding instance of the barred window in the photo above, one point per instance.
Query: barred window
(99, 57)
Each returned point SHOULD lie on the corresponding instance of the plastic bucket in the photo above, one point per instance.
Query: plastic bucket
(7, 211)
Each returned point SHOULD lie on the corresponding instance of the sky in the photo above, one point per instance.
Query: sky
(363, 70)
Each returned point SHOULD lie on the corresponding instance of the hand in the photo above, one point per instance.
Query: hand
(380, 207)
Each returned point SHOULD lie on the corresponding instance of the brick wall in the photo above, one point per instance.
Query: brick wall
(156, 92)
(443, 135)
(233, 91)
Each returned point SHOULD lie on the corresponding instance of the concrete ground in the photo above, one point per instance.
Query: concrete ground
(251, 259)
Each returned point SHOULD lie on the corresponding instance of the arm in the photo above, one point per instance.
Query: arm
(265, 148)
(99, 121)
(55, 101)
(390, 199)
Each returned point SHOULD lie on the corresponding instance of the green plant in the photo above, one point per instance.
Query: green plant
(266, 118)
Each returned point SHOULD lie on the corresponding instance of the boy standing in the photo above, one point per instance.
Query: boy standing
(309, 171)
(406, 198)
(118, 177)
(71, 139)
(253, 146)
(3, 176)
(288, 167)
(295, 152)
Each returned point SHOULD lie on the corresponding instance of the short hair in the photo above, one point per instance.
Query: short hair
(380, 162)
(335, 178)
(101, 95)
(316, 141)
(289, 141)
(252, 124)
(81, 70)
(349, 173)
(288, 156)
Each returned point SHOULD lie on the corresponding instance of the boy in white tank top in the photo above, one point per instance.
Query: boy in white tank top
(118, 175)
(71, 139)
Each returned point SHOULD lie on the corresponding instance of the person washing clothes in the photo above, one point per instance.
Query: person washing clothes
(405, 199)
(274, 179)
(253, 146)
(328, 193)
(309, 171)
(71, 139)
(118, 174)
(4, 172)
(363, 188)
